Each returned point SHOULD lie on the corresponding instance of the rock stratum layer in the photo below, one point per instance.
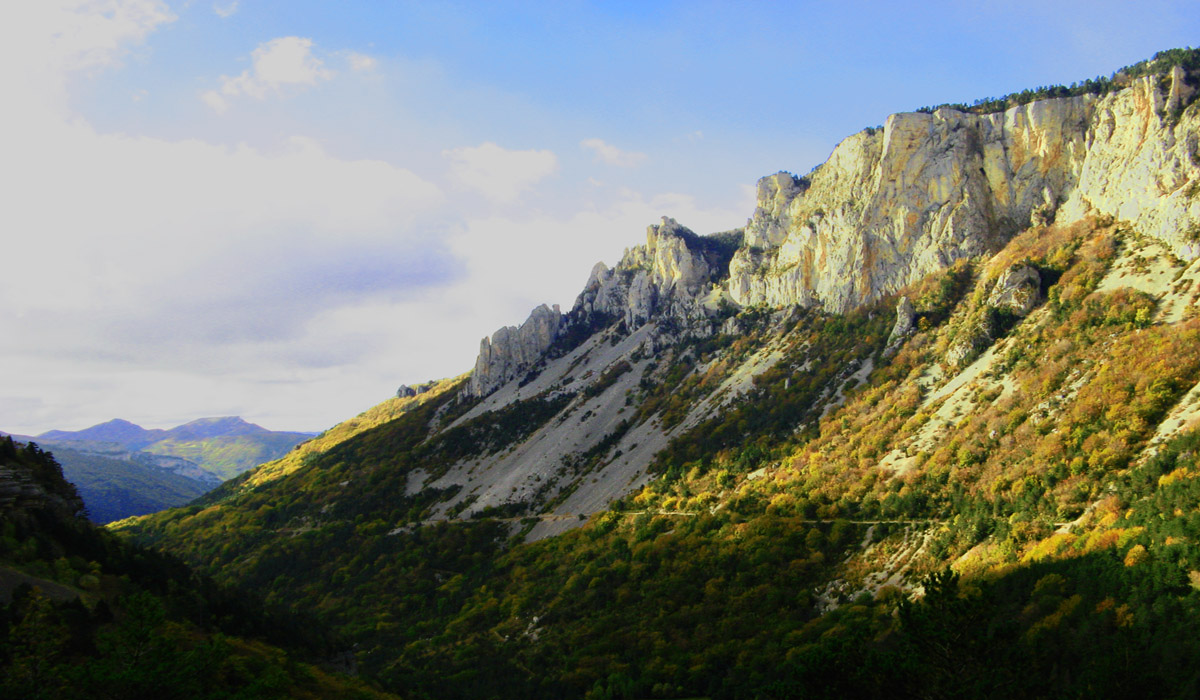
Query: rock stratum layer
(895, 203)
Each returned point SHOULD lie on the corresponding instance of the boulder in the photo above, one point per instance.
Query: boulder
(905, 319)
(1018, 290)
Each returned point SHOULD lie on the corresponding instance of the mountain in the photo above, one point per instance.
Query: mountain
(118, 431)
(223, 447)
(119, 486)
(123, 470)
(117, 483)
(926, 426)
(85, 615)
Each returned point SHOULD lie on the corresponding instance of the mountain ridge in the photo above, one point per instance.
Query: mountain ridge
(121, 431)
(940, 450)
(894, 204)
(223, 446)
(123, 469)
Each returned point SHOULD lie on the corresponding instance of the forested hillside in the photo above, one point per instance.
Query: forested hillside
(964, 468)
(85, 615)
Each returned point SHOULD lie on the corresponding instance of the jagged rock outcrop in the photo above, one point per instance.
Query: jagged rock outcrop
(513, 350)
(406, 392)
(905, 321)
(671, 276)
(894, 204)
(1017, 290)
(769, 226)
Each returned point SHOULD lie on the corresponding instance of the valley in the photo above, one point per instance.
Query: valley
(122, 469)
(927, 426)
(917, 412)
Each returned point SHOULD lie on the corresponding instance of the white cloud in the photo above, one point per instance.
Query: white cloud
(94, 34)
(279, 64)
(51, 39)
(610, 154)
(360, 61)
(213, 99)
(227, 10)
(291, 285)
(499, 174)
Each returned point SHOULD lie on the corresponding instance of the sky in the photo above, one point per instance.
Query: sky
(283, 210)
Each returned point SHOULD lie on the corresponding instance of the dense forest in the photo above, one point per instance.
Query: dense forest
(84, 614)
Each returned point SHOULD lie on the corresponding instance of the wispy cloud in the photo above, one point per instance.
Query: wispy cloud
(499, 174)
(360, 61)
(611, 155)
(227, 10)
(279, 64)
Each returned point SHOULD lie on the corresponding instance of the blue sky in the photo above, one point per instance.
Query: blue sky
(283, 209)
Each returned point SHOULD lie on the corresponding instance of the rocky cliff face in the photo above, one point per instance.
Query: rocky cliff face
(675, 275)
(31, 480)
(513, 350)
(671, 276)
(1142, 162)
(893, 204)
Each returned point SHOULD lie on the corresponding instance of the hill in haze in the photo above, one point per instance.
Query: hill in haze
(224, 446)
(928, 425)
(122, 469)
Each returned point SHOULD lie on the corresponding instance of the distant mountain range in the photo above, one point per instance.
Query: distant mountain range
(123, 469)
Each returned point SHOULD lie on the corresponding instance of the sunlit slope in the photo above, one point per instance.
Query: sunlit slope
(968, 442)
(975, 478)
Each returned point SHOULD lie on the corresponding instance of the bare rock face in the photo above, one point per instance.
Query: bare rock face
(406, 392)
(905, 316)
(667, 276)
(1017, 290)
(1180, 90)
(513, 350)
(892, 205)
(769, 226)
(1143, 163)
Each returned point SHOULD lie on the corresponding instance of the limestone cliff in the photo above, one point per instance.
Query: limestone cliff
(514, 349)
(675, 275)
(672, 276)
(895, 203)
